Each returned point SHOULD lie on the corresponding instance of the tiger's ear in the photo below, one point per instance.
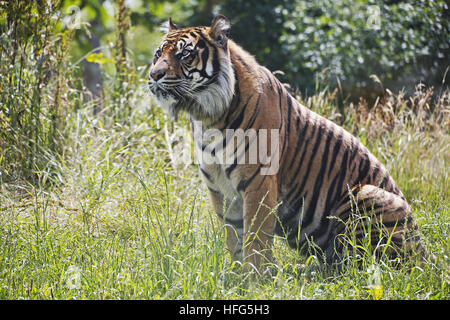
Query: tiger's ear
(168, 26)
(219, 30)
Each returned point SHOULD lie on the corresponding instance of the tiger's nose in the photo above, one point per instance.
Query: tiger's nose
(157, 74)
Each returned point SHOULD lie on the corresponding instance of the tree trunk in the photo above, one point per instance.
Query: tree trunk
(92, 75)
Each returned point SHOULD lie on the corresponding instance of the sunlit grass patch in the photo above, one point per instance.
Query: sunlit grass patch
(123, 220)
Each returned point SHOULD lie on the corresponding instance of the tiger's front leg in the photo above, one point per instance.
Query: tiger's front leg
(260, 200)
(230, 214)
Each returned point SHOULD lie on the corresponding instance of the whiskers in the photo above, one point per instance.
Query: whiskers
(182, 89)
(178, 89)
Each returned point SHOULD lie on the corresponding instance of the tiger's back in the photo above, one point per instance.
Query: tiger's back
(324, 178)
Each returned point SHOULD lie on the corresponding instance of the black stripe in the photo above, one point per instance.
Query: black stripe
(374, 238)
(289, 105)
(255, 113)
(206, 174)
(222, 144)
(238, 121)
(313, 155)
(334, 154)
(268, 78)
(280, 104)
(237, 223)
(291, 192)
(397, 191)
(200, 44)
(342, 177)
(231, 168)
(187, 74)
(364, 166)
(329, 200)
(205, 57)
(288, 127)
(305, 145)
(319, 178)
(247, 146)
(242, 61)
(398, 223)
(213, 190)
(325, 220)
(238, 144)
(301, 138)
(383, 182)
(235, 102)
(355, 148)
(262, 181)
(297, 123)
(243, 184)
(375, 172)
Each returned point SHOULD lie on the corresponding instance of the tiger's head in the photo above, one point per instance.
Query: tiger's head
(192, 70)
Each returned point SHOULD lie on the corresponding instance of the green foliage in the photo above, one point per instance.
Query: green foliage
(401, 42)
(258, 26)
(129, 222)
(35, 95)
(128, 219)
(337, 43)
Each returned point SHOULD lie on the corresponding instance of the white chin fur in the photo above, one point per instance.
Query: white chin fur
(167, 103)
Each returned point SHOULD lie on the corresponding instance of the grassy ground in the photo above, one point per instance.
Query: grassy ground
(122, 217)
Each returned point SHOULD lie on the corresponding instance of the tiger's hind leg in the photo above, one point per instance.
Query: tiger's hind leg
(381, 219)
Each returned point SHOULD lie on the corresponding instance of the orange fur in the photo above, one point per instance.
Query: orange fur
(322, 168)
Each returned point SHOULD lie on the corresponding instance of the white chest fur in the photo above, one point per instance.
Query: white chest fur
(211, 164)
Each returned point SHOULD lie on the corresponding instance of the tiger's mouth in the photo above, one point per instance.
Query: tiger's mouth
(179, 90)
(159, 90)
(170, 97)
(161, 94)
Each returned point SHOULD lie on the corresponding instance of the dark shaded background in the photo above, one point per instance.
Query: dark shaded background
(361, 47)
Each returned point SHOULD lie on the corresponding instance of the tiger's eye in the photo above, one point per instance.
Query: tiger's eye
(185, 53)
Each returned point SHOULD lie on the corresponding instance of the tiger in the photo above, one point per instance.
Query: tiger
(324, 181)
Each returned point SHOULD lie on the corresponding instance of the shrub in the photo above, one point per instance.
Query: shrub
(35, 83)
(402, 42)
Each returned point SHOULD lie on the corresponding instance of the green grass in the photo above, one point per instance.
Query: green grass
(103, 207)
(122, 218)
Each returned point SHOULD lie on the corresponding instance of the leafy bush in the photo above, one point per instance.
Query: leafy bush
(40, 86)
(258, 26)
(35, 84)
(402, 42)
